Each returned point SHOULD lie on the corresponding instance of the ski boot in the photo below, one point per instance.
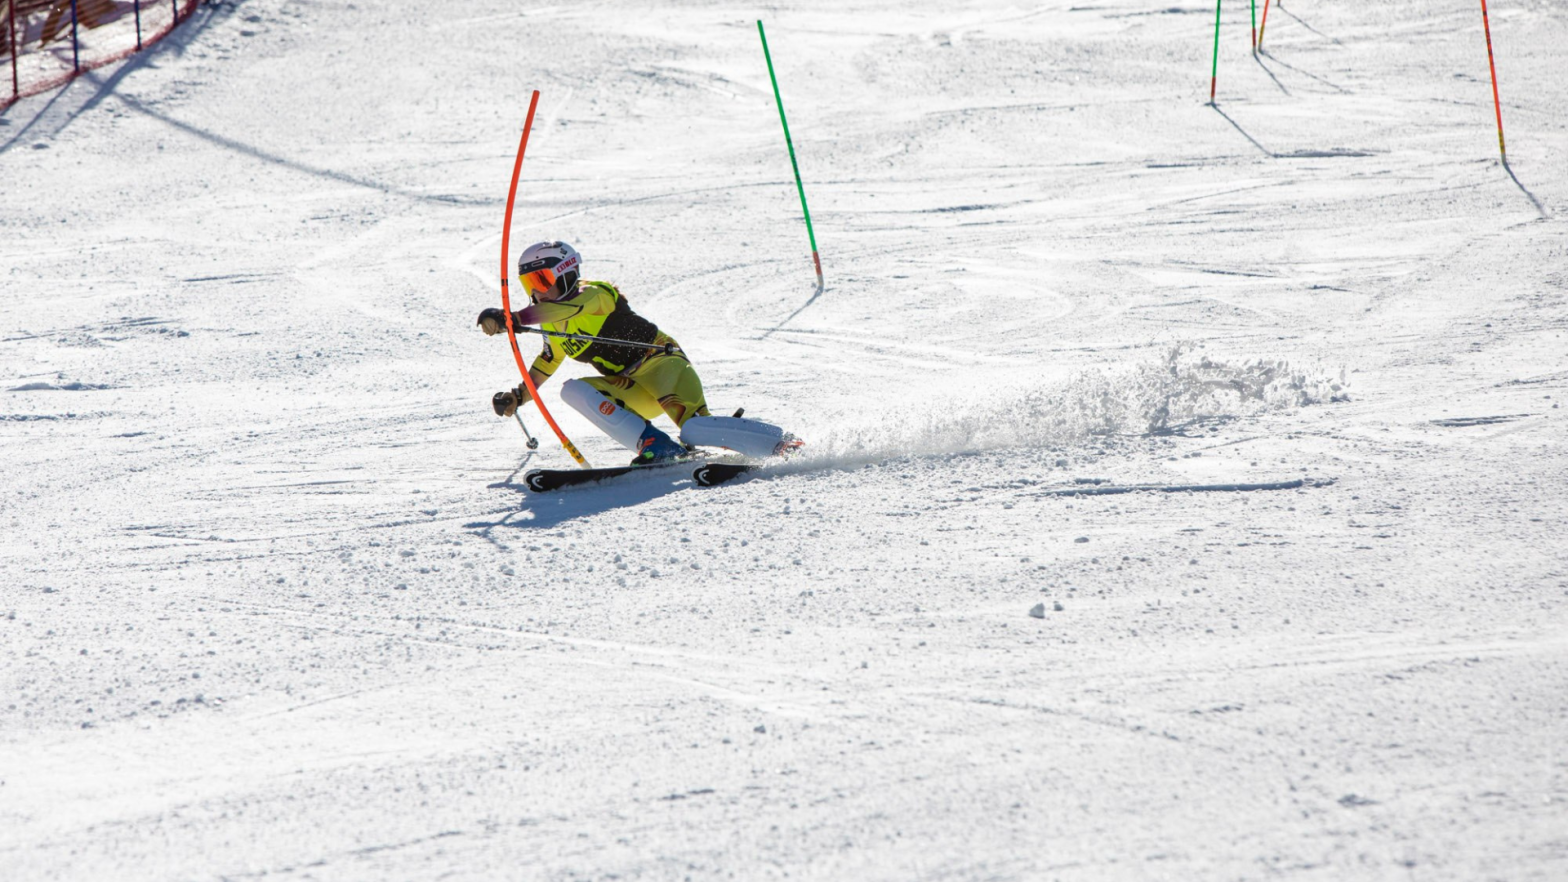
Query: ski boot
(656, 447)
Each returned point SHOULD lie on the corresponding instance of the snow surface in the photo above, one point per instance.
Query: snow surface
(274, 602)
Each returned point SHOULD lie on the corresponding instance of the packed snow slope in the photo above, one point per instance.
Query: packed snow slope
(273, 601)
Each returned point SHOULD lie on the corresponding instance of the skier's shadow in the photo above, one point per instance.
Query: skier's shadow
(542, 511)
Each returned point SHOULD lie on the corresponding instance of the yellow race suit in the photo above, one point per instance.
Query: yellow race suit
(637, 373)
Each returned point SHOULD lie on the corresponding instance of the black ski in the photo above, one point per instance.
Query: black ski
(708, 472)
(546, 480)
(711, 474)
(716, 472)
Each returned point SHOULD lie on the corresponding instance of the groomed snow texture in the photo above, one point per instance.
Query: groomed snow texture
(274, 602)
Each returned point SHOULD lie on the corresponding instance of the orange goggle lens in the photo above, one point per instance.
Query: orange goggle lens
(538, 282)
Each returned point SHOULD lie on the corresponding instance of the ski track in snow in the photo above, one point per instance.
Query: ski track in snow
(273, 599)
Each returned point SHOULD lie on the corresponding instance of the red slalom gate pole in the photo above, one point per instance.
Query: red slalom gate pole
(1264, 26)
(1496, 101)
(506, 302)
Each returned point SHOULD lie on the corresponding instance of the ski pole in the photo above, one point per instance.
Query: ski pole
(666, 348)
(533, 443)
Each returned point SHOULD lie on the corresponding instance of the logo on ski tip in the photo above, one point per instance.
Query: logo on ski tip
(607, 408)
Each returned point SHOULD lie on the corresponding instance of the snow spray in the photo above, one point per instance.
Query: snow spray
(815, 260)
(1496, 102)
(506, 303)
(1214, 72)
(1181, 392)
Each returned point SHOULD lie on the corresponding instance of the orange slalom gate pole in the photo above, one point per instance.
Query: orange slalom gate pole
(506, 302)
(1496, 102)
(1263, 27)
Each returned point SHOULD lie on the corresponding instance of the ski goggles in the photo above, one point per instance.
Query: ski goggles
(538, 282)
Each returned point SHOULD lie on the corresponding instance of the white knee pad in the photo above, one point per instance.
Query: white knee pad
(748, 437)
(610, 418)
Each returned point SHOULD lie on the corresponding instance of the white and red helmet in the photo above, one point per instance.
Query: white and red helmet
(548, 270)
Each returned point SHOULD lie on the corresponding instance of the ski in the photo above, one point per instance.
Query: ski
(711, 474)
(546, 480)
(716, 472)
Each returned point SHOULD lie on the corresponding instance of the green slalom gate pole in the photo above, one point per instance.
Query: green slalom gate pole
(1254, 27)
(815, 260)
(1214, 74)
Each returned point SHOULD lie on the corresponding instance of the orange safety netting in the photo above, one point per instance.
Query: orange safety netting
(46, 43)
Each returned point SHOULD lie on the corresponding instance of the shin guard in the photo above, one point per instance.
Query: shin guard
(748, 437)
(607, 416)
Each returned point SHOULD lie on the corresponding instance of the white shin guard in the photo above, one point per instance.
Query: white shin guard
(610, 418)
(748, 437)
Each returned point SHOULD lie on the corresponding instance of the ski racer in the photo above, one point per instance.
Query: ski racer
(643, 372)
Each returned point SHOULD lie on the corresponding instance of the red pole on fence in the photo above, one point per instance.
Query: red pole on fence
(16, 87)
(1496, 102)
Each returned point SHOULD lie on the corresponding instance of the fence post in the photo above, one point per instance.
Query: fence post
(137, 5)
(175, 5)
(16, 86)
(76, 53)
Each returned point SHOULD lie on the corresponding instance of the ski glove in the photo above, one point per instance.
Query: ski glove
(506, 403)
(492, 321)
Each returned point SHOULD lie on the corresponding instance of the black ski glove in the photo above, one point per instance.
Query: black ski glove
(492, 321)
(506, 403)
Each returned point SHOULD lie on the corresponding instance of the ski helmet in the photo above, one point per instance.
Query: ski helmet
(548, 270)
